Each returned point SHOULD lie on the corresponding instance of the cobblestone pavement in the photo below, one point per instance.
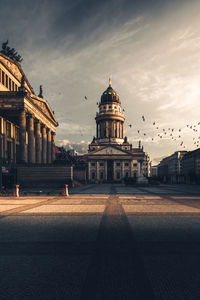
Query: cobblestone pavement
(102, 242)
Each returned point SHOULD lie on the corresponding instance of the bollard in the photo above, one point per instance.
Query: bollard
(16, 190)
(66, 193)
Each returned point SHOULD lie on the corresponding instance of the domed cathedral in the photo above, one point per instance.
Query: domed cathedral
(110, 156)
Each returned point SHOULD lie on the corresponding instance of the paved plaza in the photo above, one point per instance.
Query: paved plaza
(102, 242)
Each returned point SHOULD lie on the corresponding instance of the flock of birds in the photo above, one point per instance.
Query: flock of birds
(175, 134)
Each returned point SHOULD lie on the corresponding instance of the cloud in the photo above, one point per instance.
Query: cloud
(80, 147)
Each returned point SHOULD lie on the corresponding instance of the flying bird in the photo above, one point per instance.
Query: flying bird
(85, 98)
(138, 131)
(143, 118)
(154, 123)
(130, 125)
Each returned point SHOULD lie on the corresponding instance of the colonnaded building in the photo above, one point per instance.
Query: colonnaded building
(27, 126)
(111, 157)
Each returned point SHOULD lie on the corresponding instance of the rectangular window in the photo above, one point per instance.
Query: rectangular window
(118, 175)
(10, 85)
(93, 164)
(101, 175)
(6, 80)
(93, 175)
(3, 77)
(101, 164)
(126, 174)
(135, 165)
(8, 129)
(118, 164)
(13, 86)
(126, 164)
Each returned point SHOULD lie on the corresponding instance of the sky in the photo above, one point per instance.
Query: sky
(149, 48)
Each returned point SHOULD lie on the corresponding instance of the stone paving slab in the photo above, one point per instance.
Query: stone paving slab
(140, 197)
(19, 201)
(66, 209)
(176, 208)
(4, 207)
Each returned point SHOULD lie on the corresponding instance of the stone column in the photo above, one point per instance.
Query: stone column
(106, 168)
(31, 139)
(97, 171)
(122, 130)
(117, 125)
(22, 136)
(122, 169)
(139, 168)
(53, 155)
(106, 129)
(131, 168)
(38, 143)
(49, 146)
(44, 145)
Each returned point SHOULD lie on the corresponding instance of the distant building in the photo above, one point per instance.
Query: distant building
(191, 166)
(169, 169)
(154, 171)
(110, 156)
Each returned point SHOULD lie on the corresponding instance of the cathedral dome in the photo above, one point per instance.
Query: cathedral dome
(109, 95)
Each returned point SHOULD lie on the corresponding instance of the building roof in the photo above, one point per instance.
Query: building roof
(190, 154)
(109, 96)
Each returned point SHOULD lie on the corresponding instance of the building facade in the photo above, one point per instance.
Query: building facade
(170, 168)
(191, 166)
(27, 123)
(110, 156)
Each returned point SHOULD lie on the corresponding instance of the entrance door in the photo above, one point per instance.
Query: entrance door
(110, 169)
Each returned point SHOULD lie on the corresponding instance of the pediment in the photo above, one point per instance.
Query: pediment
(12, 67)
(44, 107)
(109, 151)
